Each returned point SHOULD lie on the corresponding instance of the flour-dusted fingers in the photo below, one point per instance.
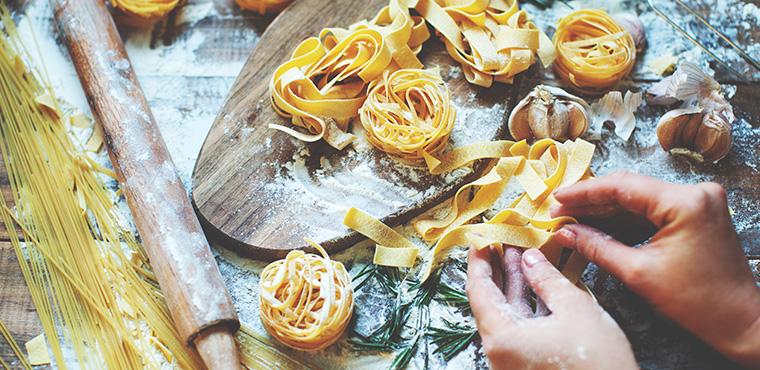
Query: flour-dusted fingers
(647, 196)
(549, 284)
(592, 211)
(601, 249)
(515, 287)
(486, 299)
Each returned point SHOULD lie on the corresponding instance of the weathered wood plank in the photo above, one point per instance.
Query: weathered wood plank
(16, 308)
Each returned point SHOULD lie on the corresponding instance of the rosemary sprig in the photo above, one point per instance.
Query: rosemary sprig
(451, 339)
(453, 296)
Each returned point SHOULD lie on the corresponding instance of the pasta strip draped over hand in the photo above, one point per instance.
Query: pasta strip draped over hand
(323, 85)
(492, 39)
(306, 300)
(593, 51)
(408, 113)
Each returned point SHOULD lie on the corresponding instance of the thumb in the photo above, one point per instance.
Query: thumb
(549, 284)
(601, 249)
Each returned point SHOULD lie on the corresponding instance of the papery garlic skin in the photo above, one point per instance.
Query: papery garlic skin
(549, 112)
(631, 23)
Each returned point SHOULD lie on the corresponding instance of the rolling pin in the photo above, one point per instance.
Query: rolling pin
(179, 253)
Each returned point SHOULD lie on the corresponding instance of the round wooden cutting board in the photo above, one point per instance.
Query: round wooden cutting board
(261, 192)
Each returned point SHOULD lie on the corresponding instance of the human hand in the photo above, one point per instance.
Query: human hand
(693, 269)
(577, 334)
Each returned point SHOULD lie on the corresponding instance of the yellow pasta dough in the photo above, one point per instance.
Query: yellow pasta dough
(305, 300)
(539, 169)
(392, 248)
(408, 113)
(263, 6)
(323, 85)
(526, 223)
(492, 39)
(138, 12)
(593, 51)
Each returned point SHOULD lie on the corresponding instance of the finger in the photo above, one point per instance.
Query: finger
(541, 309)
(644, 195)
(515, 286)
(600, 248)
(484, 296)
(594, 211)
(495, 258)
(549, 284)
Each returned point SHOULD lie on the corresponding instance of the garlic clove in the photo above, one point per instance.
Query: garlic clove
(518, 121)
(671, 125)
(631, 23)
(578, 120)
(549, 112)
(713, 140)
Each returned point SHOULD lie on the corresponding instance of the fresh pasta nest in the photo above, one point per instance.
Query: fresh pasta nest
(323, 85)
(264, 6)
(408, 113)
(143, 12)
(493, 40)
(593, 51)
(305, 300)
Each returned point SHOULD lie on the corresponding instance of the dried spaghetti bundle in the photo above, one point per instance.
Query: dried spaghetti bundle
(141, 12)
(593, 51)
(323, 85)
(264, 6)
(305, 300)
(408, 113)
(492, 39)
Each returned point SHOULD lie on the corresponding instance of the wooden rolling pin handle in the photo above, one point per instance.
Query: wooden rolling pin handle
(171, 234)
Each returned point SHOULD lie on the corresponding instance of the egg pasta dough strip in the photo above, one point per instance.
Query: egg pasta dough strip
(392, 248)
(492, 39)
(593, 51)
(305, 300)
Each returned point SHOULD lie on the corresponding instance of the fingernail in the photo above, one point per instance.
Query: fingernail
(533, 256)
(568, 237)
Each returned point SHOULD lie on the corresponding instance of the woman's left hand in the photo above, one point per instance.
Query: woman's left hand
(570, 331)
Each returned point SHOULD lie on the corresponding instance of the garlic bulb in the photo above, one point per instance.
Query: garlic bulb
(549, 112)
(703, 122)
(631, 23)
(704, 132)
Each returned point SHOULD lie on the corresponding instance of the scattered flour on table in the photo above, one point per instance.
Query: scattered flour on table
(185, 109)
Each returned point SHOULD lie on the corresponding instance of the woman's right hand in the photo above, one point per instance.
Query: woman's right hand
(693, 270)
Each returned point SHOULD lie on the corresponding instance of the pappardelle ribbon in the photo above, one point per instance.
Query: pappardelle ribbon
(539, 169)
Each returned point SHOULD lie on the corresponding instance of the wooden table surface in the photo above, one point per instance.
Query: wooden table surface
(658, 343)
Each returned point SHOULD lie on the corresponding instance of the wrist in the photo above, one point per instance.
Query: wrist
(744, 347)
